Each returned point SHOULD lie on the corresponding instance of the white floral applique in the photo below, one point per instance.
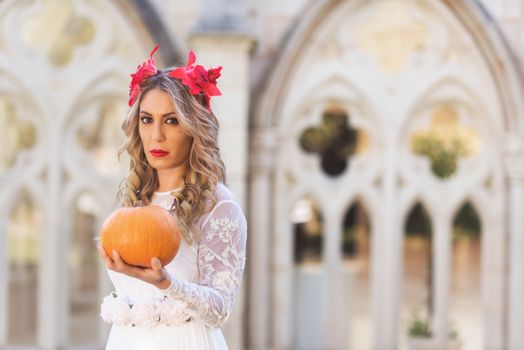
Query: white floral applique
(224, 228)
(224, 280)
(147, 313)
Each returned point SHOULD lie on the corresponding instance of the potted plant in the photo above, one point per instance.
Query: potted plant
(420, 336)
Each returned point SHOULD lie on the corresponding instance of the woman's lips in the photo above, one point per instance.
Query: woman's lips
(158, 153)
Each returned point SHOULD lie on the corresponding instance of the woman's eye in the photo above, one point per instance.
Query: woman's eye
(145, 120)
(173, 121)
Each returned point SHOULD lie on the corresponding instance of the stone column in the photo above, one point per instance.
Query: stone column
(514, 161)
(220, 39)
(258, 242)
(334, 333)
(385, 317)
(494, 269)
(53, 262)
(441, 238)
(283, 270)
(4, 311)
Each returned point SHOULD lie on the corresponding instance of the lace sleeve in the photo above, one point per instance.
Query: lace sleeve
(221, 261)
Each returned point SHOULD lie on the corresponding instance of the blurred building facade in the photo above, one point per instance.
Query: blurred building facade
(376, 146)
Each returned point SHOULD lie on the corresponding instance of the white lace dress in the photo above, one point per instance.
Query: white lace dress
(206, 278)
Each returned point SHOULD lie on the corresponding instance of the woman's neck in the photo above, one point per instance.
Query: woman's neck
(169, 179)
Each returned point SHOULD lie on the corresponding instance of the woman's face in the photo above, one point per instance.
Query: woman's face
(160, 131)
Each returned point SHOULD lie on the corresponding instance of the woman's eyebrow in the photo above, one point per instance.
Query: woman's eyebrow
(163, 115)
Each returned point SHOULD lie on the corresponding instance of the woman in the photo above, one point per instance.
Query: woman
(175, 163)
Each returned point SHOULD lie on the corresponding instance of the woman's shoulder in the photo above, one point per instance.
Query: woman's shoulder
(223, 193)
(225, 219)
(225, 201)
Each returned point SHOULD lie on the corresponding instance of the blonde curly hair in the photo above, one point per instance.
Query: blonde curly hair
(206, 167)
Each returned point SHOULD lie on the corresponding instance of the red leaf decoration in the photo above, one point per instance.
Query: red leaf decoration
(143, 71)
(198, 79)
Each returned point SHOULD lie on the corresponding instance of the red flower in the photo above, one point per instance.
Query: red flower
(198, 79)
(143, 71)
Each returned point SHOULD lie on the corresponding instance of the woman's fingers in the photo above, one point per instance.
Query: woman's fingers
(120, 265)
(154, 275)
(123, 267)
(159, 277)
(113, 262)
(156, 265)
(116, 257)
(107, 259)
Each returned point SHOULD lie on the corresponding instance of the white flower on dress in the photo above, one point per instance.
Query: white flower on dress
(145, 314)
(115, 310)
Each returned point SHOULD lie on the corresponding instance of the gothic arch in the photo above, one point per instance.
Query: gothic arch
(472, 16)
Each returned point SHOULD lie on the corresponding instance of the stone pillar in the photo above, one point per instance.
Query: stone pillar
(385, 317)
(218, 41)
(283, 271)
(514, 161)
(258, 243)
(494, 254)
(442, 271)
(53, 263)
(3, 282)
(334, 333)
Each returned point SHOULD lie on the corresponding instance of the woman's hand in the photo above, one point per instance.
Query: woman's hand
(156, 275)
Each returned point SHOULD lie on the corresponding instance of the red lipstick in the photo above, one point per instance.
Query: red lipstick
(158, 153)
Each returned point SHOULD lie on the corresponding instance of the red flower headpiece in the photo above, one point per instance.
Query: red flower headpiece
(196, 78)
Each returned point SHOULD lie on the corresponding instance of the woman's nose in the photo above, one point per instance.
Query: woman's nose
(158, 133)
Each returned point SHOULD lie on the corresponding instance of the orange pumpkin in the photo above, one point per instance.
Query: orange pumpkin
(140, 233)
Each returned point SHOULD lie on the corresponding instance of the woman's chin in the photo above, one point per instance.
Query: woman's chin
(158, 163)
(162, 165)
